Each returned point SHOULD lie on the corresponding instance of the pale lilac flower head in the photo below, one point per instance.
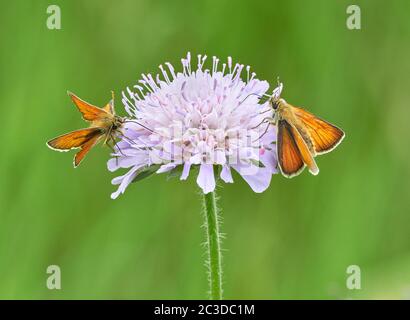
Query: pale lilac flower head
(202, 121)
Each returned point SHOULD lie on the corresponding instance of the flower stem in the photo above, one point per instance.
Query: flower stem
(213, 243)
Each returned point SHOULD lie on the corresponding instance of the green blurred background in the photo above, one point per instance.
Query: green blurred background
(293, 241)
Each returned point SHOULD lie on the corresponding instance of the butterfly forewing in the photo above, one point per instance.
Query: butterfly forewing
(89, 112)
(325, 136)
(289, 157)
(109, 107)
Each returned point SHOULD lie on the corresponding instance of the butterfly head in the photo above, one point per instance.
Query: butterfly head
(275, 97)
(118, 122)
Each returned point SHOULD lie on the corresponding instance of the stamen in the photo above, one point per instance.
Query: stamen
(152, 82)
(203, 60)
(165, 74)
(234, 70)
(230, 64)
(158, 80)
(199, 62)
(238, 69)
(214, 64)
(183, 67)
(171, 70)
(131, 94)
(144, 83)
(141, 90)
(129, 107)
(188, 58)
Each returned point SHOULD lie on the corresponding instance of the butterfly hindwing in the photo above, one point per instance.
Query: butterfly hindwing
(87, 146)
(74, 139)
(325, 136)
(305, 153)
(289, 157)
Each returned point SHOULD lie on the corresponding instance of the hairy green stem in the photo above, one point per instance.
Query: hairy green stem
(213, 243)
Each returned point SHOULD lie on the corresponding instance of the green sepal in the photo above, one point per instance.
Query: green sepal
(175, 172)
(257, 163)
(146, 172)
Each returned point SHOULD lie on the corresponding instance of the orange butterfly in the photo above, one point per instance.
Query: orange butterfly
(104, 124)
(301, 136)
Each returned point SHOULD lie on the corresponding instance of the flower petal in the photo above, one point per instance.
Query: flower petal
(167, 167)
(126, 180)
(206, 178)
(126, 162)
(268, 158)
(226, 174)
(258, 181)
(185, 171)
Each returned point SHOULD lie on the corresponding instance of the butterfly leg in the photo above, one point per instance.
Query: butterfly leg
(115, 144)
(109, 145)
(107, 136)
(112, 139)
(112, 150)
(269, 121)
(264, 132)
(264, 120)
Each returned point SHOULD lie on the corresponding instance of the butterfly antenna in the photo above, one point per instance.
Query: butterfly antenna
(129, 140)
(239, 104)
(251, 94)
(140, 124)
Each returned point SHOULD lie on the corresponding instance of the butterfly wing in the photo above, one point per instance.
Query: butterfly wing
(74, 139)
(87, 146)
(89, 112)
(325, 136)
(83, 138)
(109, 107)
(304, 151)
(289, 157)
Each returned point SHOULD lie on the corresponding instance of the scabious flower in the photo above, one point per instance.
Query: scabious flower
(211, 120)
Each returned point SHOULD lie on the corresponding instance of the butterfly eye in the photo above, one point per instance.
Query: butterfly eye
(274, 105)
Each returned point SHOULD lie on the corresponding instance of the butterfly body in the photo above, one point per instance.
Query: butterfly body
(104, 125)
(301, 136)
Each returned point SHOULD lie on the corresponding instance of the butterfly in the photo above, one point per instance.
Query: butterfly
(104, 125)
(301, 136)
